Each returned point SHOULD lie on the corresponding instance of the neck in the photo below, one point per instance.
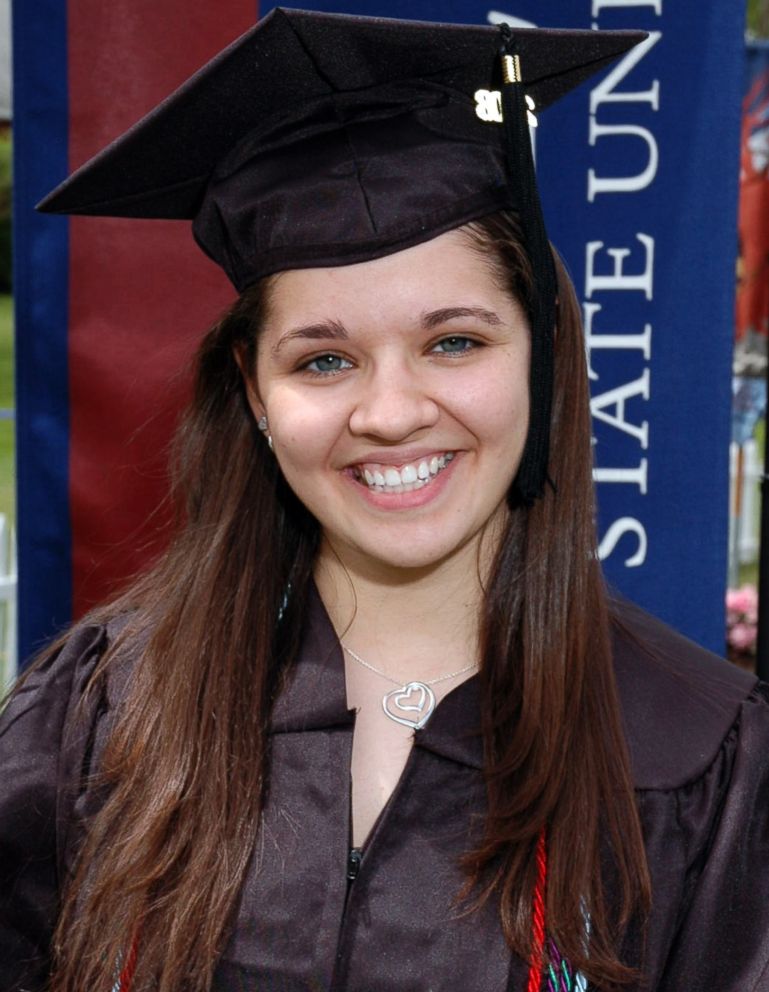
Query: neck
(420, 623)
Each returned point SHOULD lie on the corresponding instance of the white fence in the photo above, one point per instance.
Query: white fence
(746, 467)
(8, 583)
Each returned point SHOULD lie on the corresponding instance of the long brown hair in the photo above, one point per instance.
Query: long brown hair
(184, 768)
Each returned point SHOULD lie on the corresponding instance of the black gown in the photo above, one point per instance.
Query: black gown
(698, 734)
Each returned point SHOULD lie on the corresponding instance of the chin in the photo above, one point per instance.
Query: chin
(413, 556)
(417, 546)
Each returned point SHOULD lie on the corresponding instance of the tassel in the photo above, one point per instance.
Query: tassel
(533, 471)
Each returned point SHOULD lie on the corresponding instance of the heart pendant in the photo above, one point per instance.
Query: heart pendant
(414, 697)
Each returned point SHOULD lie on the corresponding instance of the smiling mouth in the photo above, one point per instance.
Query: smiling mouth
(388, 479)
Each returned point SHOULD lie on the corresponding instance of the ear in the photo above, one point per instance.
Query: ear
(249, 381)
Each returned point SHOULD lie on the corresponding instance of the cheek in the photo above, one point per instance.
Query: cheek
(497, 408)
(304, 429)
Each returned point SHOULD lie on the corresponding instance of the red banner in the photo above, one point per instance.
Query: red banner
(752, 301)
(140, 293)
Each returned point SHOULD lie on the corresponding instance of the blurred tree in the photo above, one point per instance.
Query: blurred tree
(758, 18)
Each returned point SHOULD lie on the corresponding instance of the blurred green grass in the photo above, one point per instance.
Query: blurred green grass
(7, 439)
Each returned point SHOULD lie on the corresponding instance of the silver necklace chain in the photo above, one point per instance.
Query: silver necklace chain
(376, 671)
(411, 703)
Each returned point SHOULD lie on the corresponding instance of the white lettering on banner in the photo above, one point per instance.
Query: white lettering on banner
(605, 92)
(643, 341)
(500, 17)
(625, 476)
(598, 5)
(617, 398)
(619, 279)
(612, 537)
(619, 405)
(622, 184)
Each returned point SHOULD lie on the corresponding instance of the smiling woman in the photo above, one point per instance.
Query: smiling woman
(373, 723)
(404, 441)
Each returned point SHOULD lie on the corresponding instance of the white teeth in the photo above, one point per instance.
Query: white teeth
(408, 478)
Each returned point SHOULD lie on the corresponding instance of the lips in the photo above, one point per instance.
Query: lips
(401, 479)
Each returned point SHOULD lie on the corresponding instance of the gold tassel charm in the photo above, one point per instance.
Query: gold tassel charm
(511, 68)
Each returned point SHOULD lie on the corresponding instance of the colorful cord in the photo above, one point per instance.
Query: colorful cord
(536, 963)
(125, 979)
(553, 967)
(560, 975)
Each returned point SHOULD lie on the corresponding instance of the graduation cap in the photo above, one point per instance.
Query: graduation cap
(324, 139)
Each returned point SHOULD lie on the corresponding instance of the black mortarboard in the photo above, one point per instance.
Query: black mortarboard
(323, 139)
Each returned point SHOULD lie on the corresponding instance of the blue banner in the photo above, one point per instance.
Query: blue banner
(40, 277)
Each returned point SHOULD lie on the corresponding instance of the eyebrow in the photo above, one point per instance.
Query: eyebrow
(324, 330)
(334, 330)
(437, 317)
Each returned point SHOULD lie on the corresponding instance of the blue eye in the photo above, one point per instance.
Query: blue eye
(454, 345)
(325, 364)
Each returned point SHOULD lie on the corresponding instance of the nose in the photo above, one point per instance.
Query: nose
(394, 404)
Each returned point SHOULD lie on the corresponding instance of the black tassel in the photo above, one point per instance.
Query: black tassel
(532, 474)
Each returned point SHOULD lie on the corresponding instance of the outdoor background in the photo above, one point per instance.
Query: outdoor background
(757, 25)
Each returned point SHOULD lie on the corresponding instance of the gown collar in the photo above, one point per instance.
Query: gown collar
(314, 697)
(669, 689)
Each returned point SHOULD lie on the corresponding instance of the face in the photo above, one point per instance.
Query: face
(396, 392)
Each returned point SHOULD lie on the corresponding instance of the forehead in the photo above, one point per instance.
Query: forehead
(449, 270)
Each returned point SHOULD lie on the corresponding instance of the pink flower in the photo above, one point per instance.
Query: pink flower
(742, 637)
(742, 600)
(732, 617)
(742, 618)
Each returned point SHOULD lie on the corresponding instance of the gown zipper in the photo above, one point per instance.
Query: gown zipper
(353, 865)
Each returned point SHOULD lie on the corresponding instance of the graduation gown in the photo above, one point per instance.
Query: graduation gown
(698, 735)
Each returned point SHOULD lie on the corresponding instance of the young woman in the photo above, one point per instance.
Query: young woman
(371, 723)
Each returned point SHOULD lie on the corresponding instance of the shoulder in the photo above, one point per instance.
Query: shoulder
(48, 731)
(54, 723)
(681, 704)
(65, 667)
(43, 693)
(56, 702)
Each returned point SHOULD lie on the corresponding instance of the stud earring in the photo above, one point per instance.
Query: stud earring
(263, 427)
